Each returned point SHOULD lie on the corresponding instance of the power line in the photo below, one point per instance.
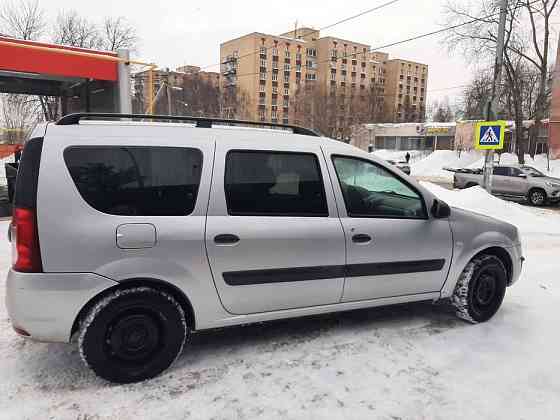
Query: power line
(414, 38)
(316, 31)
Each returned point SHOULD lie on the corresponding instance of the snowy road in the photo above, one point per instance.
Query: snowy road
(407, 362)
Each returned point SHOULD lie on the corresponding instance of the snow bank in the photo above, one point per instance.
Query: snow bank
(432, 166)
(400, 155)
(527, 219)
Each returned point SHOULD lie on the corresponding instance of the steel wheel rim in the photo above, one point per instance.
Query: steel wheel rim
(134, 337)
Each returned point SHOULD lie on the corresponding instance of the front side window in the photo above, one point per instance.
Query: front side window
(261, 183)
(370, 190)
(136, 181)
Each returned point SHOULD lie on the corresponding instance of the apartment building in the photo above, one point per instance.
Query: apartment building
(406, 89)
(272, 71)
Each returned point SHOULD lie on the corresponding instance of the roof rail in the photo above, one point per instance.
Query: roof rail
(201, 122)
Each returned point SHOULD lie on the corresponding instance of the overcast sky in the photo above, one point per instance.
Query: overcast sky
(177, 32)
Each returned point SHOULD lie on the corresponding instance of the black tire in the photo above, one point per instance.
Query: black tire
(133, 334)
(471, 184)
(481, 289)
(537, 197)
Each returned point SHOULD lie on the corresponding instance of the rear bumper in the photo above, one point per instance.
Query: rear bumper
(45, 305)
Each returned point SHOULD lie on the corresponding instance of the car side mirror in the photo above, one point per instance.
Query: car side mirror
(440, 209)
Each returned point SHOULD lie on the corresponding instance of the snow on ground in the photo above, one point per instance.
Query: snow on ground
(407, 362)
(400, 155)
(430, 166)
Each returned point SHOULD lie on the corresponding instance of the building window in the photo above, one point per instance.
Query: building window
(263, 63)
(274, 114)
(286, 78)
(285, 121)
(275, 89)
(275, 52)
(334, 53)
(311, 76)
(298, 68)
(333, 76)
(262, 88)
(274, 77)
(286, 102)
(310, 64)
(287, 53)
(287, 67)
(263, 76)
(263, 50)
(274, 184)
(286, 91)
(311, 52)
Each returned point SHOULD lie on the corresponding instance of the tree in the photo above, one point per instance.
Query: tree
(118, 33)
(478, 42)
(23, 19)
(475, 97)
(18, 114)
(76, 31)
(442, 112)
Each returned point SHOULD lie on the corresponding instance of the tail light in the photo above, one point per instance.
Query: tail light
(25, 240)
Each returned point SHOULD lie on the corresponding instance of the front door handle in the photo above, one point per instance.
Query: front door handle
(226, 239)
(361, 238)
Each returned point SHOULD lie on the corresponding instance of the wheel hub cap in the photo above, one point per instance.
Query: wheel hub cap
(134, 337)
(485, 290)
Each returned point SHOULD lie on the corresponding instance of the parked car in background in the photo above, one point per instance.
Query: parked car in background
(515, 182)
(403, 166)
(130, 236)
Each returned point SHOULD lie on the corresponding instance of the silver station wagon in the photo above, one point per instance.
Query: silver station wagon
(129, 235)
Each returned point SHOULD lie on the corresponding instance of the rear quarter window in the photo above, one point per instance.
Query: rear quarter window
(136, 181)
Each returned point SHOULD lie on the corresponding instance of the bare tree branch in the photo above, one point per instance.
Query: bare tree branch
(22, 19)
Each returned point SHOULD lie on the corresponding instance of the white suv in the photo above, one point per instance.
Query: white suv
(131, 235)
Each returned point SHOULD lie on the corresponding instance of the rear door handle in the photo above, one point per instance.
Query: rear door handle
(226, 239)
(361, 238)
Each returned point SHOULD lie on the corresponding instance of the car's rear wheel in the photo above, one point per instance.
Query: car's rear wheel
(537, 197)
(481, 289)
(133, 334)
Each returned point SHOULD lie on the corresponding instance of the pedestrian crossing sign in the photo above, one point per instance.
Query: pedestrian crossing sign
(489, 135)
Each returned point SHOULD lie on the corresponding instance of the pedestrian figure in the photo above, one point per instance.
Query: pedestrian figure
(407, 157)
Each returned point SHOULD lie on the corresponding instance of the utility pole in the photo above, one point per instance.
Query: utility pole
(492, 103)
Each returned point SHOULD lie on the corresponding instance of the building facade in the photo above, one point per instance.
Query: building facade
(272, 74)
(405, 136)
(554, 124)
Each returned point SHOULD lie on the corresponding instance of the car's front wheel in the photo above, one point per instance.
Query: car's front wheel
(480, 289)
(537, 197)
(133, 334)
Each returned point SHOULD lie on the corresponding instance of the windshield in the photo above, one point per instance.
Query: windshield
(531, 171)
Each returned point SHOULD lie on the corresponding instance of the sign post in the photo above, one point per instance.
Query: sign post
(489, 136)
(492, 103)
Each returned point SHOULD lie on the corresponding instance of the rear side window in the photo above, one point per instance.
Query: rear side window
(259, 183)
(501, 171)
(28, 174)
(136, 181)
